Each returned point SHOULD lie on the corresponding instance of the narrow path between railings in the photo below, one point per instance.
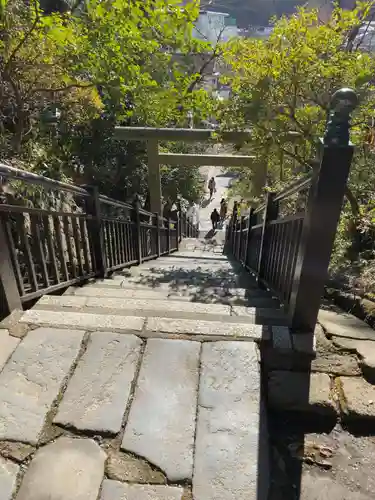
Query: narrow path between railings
(143, 386)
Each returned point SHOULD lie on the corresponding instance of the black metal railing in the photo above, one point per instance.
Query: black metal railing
(267, 241)
(287, 242)
(65, 234)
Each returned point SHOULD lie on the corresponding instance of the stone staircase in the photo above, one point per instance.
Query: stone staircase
(143, 386)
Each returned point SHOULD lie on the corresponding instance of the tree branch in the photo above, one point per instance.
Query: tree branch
(63, 89)
(22, 42)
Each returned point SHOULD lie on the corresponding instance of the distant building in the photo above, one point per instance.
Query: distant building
(260, 32)
(215, 26)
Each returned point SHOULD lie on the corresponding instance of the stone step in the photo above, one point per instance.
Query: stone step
(177, 261)
(193, 277)
(176, 257)
(64, 470)
(31, 380)
(7, 346)
(8, 478)
(207, 330)
(230, 449)
(114, 490)
(168, 308)
(98, 393)
(118, 281)
(96, 290)
(253, 298)
(160, 327)
(161, 423)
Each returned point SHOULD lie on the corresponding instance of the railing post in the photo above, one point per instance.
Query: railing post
(322, 216)
(157, 233)
(9, 295)
(180, 219)
(233, 235)
(249, 224)
(169, 235)
(137, 242)
(242, 219)
(177, 231)
(95, 230)
(270, 213)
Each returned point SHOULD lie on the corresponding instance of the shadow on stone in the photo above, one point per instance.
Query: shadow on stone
(299, 402)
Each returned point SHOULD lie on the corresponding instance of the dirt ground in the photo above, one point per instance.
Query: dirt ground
(333, 465)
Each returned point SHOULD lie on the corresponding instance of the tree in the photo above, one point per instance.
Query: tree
(69, 76)
(282, 89)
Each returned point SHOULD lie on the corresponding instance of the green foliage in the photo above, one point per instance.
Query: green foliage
(281, 91)
(106, 63)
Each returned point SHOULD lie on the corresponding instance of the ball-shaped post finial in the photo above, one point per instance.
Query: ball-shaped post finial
(344, 98)
(343, 103)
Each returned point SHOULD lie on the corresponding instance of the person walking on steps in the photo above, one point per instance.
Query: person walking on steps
(212, 186)
(215, 218)
(223, 209)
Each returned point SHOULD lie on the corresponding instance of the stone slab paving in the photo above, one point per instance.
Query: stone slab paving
(226, 462)
(189, 294)
(357, 398)
(114, 490)
(365, 349)
(64, 470)
(167, 306)
(63, 301)
(122, 293)
(210, 329)
(7, 346)
(98, 393)
(141, 305)
(84, 321)
(301, 391)
(32, 379)
(8, 478)
(13, 325)
(345, 325)
(161, 422)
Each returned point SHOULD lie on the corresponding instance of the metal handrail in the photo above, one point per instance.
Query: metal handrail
(31, 178)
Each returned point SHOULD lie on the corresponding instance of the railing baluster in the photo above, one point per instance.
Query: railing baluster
(51, 247)
(9, 292)
(69, 246)
(137, 242)
(122, 241)
(169, 236)
(78, 246)
(109, 238)
(270, 212)
(39, 250)
(157, 218)
(28, 255)
(13, 252)
(59, 241)
(86, 252)
(95, 230)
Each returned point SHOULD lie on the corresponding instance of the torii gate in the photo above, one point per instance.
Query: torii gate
(152, 136)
